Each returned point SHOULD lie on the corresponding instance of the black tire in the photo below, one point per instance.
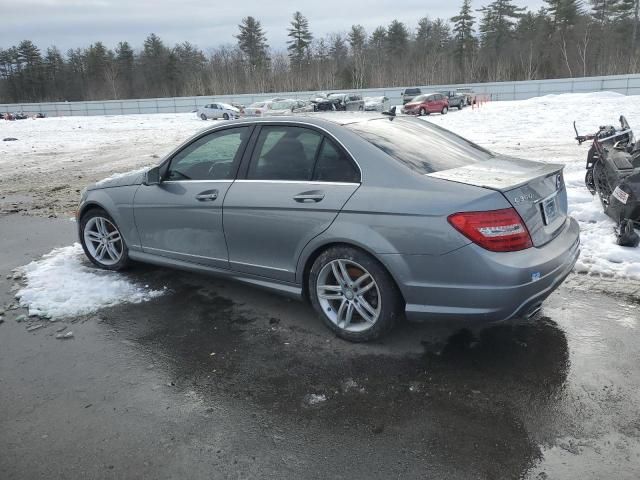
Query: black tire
(225, 116)
(444, 110)
(203, 116)
(390, 301)
(422, 112)
(124, 261)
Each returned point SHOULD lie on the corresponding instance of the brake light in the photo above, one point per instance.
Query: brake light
(496, 230)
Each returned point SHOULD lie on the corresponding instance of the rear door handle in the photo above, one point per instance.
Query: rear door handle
(308, 197)
(207, 196)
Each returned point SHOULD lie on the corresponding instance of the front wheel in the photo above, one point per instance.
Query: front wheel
(444, 110)
(422, 112)
(353, 294)
(225, 116)
(203, 116)
(102, 241)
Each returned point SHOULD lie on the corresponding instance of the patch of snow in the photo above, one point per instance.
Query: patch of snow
(64, 284)
(116, 176)
(315, 399)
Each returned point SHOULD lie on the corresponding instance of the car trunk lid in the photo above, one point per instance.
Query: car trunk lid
(536, 190)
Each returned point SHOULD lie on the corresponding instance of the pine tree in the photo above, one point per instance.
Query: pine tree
(300, 39)
(397, 39)
(603, 11)
(252, 43)
(125, 62)
(564, 13)
(463, 31)
(498, 21)
(357, 38)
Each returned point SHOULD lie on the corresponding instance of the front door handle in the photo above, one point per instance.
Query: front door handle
(207, 196)
(308, 197)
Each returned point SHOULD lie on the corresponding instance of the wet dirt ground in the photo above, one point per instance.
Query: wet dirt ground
(220, 380)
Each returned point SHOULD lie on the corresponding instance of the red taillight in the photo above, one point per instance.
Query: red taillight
(495, 230)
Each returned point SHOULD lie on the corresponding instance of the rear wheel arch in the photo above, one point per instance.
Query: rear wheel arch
(312, 257)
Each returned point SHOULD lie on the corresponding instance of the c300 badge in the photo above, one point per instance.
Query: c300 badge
(523, 198)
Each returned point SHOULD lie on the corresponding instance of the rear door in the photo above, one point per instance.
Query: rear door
(295, 182)
(432, 105)
(181, 217)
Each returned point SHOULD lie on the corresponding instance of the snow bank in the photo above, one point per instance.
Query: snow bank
(542, 129)
(64, 284)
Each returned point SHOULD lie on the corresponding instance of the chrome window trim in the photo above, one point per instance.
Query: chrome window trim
(313, 125)
(197, 181)
(310, 182)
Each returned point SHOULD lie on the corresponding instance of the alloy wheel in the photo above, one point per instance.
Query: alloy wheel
(348, 295)
(103, 241)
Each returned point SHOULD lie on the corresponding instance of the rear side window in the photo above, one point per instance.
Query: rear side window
(284, 153)
(334, 166)
(421, 146)
(299, 154)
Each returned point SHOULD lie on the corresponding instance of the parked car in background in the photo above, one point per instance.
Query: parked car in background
(375, 104)
(239, 107)
(426, 104)
(256, 109)
(339, 102)
(287, 107)
(409, 94)
(218, 110)
(468, 94)
(368, 218)
(456, 100)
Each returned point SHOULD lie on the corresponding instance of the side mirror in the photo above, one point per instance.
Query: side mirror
(152, 177)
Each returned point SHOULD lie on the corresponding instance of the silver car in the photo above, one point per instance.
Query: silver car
(218, 110)
(369, 218)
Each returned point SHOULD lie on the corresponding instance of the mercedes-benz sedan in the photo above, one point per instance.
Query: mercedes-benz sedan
(369, 218)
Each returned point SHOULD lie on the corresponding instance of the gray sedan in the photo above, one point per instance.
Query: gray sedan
(369, 218)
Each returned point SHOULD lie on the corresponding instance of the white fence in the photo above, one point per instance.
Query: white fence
(625, 84)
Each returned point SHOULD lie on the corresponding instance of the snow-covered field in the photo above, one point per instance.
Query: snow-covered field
(53, 158)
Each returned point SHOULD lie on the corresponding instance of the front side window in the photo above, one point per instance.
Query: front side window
(212, 157)
(284, 153)
(421, 146)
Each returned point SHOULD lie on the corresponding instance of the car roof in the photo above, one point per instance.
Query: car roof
(322, 120)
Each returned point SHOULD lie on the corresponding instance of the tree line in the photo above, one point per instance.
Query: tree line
(498, 42)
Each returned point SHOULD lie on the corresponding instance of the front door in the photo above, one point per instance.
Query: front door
(181, 217)
(297, 182)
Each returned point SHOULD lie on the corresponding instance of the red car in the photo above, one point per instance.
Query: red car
(426, 104)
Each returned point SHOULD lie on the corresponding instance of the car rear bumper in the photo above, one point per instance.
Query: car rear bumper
(471, 283)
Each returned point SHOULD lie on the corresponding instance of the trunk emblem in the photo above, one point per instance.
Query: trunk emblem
(523, 198)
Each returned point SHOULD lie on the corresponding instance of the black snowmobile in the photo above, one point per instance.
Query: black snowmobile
(613, 172)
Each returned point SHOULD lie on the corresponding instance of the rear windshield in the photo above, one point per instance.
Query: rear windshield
(411, 91)
(419, 145)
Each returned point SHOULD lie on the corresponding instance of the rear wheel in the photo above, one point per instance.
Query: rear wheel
(102, 241)
(444, 110)
(225, 116)
(353, 294)
(203, 116)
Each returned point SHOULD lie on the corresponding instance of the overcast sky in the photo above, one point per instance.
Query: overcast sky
(206, 23)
